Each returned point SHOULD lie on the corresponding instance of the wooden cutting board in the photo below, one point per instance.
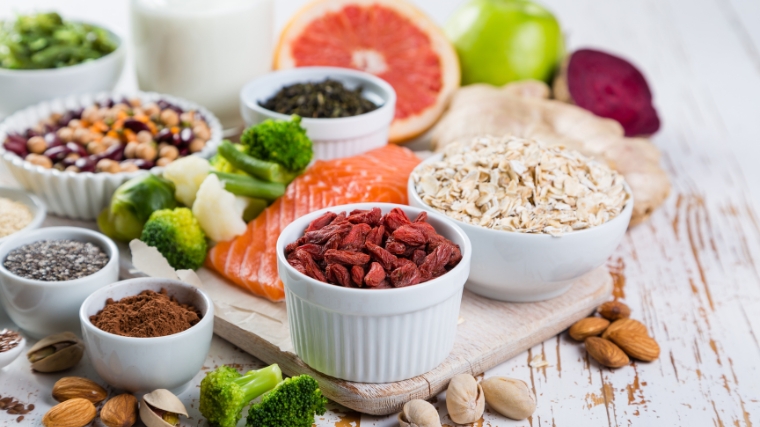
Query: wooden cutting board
(489, 333)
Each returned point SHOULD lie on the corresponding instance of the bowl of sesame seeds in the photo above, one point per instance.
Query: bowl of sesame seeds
(46, 274)
(19, 212)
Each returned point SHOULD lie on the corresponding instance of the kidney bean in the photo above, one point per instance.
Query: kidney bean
(31, 133)
(16, 146)
(114, 152)
(135, 126)
(186, 135)
(76, 148)
(56, 154)
(52, 140)
(164, 135)
(86, 164)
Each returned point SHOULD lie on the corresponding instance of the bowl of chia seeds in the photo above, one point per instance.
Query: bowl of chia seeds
(46, 274)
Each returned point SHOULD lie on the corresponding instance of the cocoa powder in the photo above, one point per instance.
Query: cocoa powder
(147, 315)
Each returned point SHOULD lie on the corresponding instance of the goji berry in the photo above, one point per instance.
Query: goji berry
(339, 275)
(394, 247)
(421, 218)
(371, 217)
(418, 257)
(314, 250)
(322, 235)
(409, 235)
(376, 236)
(333, 256)
(311, 268)
(395, 219)
(375, 276)
(333, 242)
(321, 222)
(385, 258)
(435, 263)
(406, 275)
(354, 240)
(357, 275)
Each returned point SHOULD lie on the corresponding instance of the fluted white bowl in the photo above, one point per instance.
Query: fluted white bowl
(373, 335)
(82, 195)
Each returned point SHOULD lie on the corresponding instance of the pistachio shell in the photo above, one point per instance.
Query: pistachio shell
(419, 413)
(163, 400)
(45, 358)
(464, 399)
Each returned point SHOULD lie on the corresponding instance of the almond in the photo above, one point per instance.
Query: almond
(76, 387)
(614, 310)
(588, 327)
(119, 411)
(639, 346)
(606, 353)
(629, 325)
(71, 413)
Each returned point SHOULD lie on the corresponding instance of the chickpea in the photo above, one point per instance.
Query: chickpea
(72, 168)
(202, 131)
(135, 102)
(73, 157)
(197, 145)
(36, 144)
(152, 109)
(39, 160)
(146, 151)
(66, 134)
(75, 123)
(130, 151)
(109, 141)
(129, 167)
(187, 117)
(144, 137)
(169, 117)
(96, 148)
(108, 165)
(55, 117)
(92, 114)
(169, 152)
(83, 136)
(121, 107)
(137, 111)
(163, 161)
(109, 115)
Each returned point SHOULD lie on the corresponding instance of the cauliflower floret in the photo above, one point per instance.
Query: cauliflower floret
(187, 174)
(218, 211)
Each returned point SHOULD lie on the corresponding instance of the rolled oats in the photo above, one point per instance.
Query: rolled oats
(515, 184)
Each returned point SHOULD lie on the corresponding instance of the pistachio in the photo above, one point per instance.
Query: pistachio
(119, 411)
(160, 408)
(76, 387)
(464, 399)
(417, 413)
(56, 353)
(509, 397)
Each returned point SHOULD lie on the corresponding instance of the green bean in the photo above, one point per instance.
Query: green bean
(250, 187)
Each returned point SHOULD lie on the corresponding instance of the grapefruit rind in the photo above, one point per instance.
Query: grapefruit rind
(401, 129)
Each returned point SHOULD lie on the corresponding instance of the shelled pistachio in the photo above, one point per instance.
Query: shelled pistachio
(161, 408)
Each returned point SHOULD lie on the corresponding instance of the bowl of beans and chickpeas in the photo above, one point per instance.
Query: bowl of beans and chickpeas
(74, 152)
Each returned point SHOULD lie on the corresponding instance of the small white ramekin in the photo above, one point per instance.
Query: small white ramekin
(141, 365)
(522, 267)
(332, 138)
(29, 200)
(82, 195)
(373, 336)
(45, 308)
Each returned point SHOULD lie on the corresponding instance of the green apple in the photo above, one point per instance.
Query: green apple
(501, 41)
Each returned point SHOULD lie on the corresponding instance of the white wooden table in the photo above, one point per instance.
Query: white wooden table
(692, 273)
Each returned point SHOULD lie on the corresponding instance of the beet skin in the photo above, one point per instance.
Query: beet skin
(610, 86)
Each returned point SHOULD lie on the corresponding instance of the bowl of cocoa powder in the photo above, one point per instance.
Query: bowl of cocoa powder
(149, 333)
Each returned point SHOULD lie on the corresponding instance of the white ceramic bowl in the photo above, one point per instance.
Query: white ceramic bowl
(82, 195)
(332, 138)
(22, 88)
(144, 364)
(31, 201)
(521, 267)
(373, 336)
(8, 357)
(44, 308)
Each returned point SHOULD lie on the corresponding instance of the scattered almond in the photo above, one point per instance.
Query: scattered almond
(76, 387)
(606, 353)
(630, 325)
(639, 346)
(75, 412)
(588, 327)
(120, 411)
(614, 310)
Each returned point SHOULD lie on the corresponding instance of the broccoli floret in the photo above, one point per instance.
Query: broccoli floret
(292, 404)
(225, 392)
(178, 236)
(283, 142)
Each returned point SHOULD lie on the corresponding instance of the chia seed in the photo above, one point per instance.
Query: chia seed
(56, 260)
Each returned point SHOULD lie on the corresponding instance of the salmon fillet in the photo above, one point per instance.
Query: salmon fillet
(250, 260)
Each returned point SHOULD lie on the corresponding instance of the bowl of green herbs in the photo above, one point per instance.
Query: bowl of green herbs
(44, 56)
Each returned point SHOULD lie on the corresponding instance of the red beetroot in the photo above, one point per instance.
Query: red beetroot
(611, 87)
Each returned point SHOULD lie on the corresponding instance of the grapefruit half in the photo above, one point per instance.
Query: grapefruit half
(389, 38)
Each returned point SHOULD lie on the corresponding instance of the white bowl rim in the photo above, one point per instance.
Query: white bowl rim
(420, 287)
(300, 75)
(625, 213)
(208, 316)
(120, 50)
(104, 240)
(39, 216)
(212, 121)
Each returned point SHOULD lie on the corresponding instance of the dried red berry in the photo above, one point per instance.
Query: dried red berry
(406, 275)
(314, 250)
(357, 275)
(339, 275)
(394, 247)
(385, 258)
(375, 276)
(371, 217)
(321, 222)
(354, 240)
(333, 242)
(409, 235)
(435, 263)
(334, 256)
(311, 268)
(322, 235)
(376, 236)
(395, 219)
(418, 257)
(421, 218)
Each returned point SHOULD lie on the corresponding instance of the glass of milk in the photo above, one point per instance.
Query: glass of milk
(202, 50)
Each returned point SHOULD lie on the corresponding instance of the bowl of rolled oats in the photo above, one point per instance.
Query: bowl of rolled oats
(538, 217)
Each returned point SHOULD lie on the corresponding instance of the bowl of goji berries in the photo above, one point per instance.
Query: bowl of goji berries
(373, 289)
